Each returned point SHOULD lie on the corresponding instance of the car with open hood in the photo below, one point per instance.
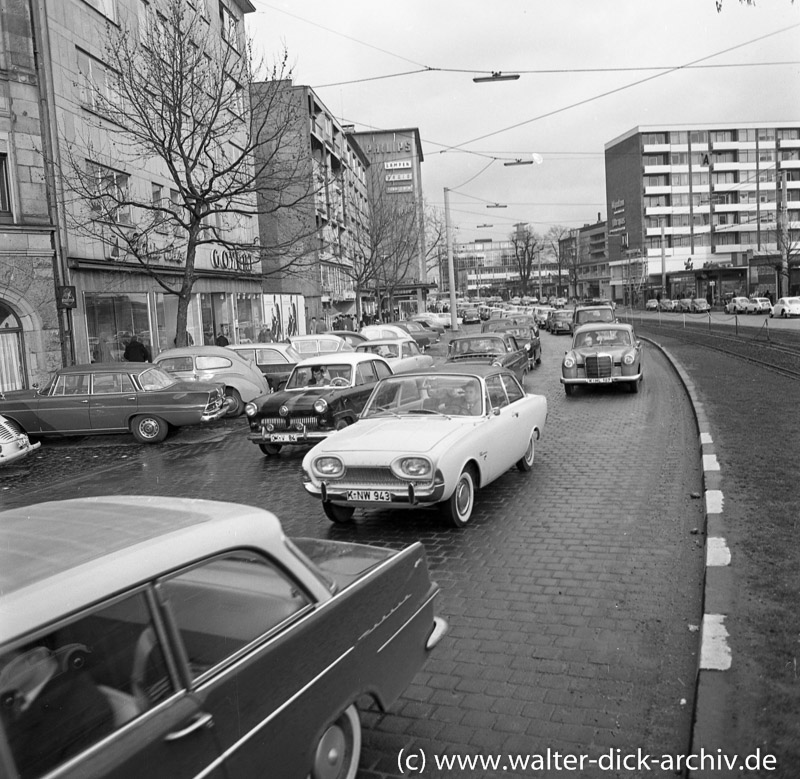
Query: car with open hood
(322, 395)
(113, 397)
(428, 439)
(171, 638)
(498, 349)
(603, 353)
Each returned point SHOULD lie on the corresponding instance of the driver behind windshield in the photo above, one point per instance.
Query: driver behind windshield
(318, 376)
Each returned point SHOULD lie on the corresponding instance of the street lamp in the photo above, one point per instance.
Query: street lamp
(496, 76)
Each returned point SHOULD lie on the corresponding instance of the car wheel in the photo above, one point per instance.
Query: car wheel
(458, 508)
(148, 429)
(569, 389)
(336, 513)
(339, 748)
(784, 314)
(270, 449)
(539, 357)
(525, 463)
(236, 402)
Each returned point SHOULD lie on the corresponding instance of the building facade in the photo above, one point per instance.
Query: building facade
(593, 278)
(704, 210)
(86, 295)
(395, 191)
(325, 225)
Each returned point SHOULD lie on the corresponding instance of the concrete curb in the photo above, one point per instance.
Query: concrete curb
(713, 687)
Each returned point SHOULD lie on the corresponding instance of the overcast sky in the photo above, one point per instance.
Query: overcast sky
(350, 52)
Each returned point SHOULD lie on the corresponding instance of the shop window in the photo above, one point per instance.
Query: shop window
(12, 366)
(111, 321)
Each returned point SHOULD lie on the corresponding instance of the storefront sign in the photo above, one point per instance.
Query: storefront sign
(393, 190)
(232, 260)
(67, 297)
(398, 177)
(394, 165)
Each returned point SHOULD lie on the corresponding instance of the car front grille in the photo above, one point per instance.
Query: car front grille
(289, 423)
(371, 478)
(599, 366)
(10, 431)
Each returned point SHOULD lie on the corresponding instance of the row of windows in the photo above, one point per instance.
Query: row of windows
(680, 137)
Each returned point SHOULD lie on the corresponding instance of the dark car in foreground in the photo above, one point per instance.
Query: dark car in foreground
(172, 637)
(497, 349)
(603, 353)
(586, 315)
(322, 395)
(559, 320)
(113, 397)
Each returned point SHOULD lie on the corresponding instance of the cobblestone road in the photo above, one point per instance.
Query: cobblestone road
(572, 596)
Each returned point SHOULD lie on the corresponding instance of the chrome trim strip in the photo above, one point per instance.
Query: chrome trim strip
(406, 623)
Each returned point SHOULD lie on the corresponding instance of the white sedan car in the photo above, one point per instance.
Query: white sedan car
(403, 355)
(14, 443)
(786, 307)
(429, 438)
(737, 306)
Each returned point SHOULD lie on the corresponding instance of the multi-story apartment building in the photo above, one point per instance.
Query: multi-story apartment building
(53, 62)
(330, 216)
(592, 274)
(709, 210)
(395, 186)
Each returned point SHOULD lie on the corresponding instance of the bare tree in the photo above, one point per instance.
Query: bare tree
(718, 3)
(178, 101)
(552, 240)
(526, 245)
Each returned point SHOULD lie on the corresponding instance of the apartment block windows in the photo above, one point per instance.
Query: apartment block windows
(678, 137)
(106, 7)
(229, 25)
(109, 196)
(698, 136)
(679, 158)
(650, 139)
(96, 83)
(5, 200)
(724, 156)
(792, 134)
(721, 136)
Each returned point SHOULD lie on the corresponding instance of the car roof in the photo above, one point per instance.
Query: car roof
(370, 342)
(478, 370)
(106, 367)
(603, 326)
(59, 557)
(477, 336)
(315, 337)
(340, 358)
(193, 351)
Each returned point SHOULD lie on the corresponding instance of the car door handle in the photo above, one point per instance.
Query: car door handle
(84, 401)
(200, 720)
(515, 414)
(131, 397)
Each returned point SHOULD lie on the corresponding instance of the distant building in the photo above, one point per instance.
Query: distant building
(698, 209)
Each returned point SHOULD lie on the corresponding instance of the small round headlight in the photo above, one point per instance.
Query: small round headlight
(414, 467)
(320, 406)
(329, 466)
(629, 358)
(284, 411)
(569, 361)
(251, 409)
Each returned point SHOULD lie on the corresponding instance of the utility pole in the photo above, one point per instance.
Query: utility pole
(451, 273)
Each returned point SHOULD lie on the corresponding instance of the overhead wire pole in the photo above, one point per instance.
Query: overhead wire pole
(451, 273)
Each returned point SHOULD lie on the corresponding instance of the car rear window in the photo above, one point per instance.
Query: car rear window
(212, 362)
(176, 363)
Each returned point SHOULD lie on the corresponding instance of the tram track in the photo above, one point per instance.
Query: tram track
(775, 350)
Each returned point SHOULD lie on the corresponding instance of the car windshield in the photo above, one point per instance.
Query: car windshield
(602, 338)
(595, 315)
(477, 346)
(319, 376)
(155, 379)
(428, 394)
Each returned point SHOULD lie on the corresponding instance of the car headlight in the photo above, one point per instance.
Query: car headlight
(629, 358)
(569, 361)
(412, 468)
(251, 409)
(321, 406)
(329, 466)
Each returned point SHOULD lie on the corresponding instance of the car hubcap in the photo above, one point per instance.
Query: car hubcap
(463, 497)
(148, 428)
(331, 754)
(529, 452)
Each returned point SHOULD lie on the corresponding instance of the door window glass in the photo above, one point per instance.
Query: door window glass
(224, 605)
(68, 689)
(110, 383)
(365, 373)
(72, 384)
(382, 370)
(176, 364)
(212, 363)
(497, 395)
(270, 357)
(513, 390)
